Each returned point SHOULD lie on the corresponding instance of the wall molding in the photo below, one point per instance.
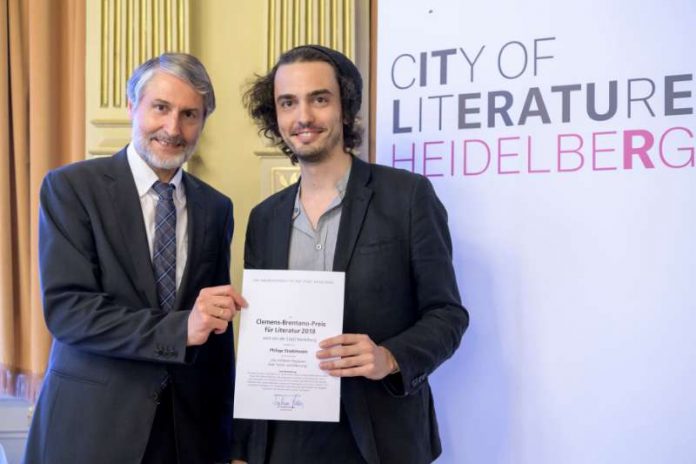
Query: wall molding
(121, 34)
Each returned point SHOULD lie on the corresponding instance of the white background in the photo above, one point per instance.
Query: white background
(581, 286)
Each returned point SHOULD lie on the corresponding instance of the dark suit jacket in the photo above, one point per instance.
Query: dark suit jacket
(394, 245)
(114, 349)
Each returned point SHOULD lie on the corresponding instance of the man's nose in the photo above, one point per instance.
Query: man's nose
(305, 113)
(172, 123)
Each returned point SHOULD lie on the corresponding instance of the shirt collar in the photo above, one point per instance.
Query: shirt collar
(145, 177)
(342, 184)
(341, 187)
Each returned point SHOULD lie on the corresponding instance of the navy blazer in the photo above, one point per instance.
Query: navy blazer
(114, 348)
(395, 248)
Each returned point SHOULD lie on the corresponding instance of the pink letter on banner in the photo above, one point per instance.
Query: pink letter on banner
(640, 151)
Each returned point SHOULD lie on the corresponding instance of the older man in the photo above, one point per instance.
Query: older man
(134, 260)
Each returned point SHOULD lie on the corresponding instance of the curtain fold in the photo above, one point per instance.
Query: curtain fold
(42, 53)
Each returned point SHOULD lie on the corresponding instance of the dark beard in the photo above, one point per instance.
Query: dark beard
(312, 158)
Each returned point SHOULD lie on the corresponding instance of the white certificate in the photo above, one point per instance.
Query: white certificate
(278, 375)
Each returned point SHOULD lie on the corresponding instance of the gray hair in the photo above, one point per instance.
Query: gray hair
(182, 65)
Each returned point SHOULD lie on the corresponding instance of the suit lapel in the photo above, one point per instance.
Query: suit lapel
(126, 204)
(280, 229)
(196, 212)
(355, 204)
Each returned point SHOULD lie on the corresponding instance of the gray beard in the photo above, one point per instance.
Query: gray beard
(155, 162)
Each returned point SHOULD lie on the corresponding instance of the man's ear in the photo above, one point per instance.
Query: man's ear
(130, 108)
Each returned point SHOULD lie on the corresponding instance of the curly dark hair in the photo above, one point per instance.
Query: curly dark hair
(260, 101)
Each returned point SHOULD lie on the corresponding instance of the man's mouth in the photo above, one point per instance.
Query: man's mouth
(168, 142)
(307, 134)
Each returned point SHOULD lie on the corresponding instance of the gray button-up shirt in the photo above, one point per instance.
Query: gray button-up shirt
(313, 249)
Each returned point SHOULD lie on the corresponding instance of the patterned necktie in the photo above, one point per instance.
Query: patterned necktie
(164, 248)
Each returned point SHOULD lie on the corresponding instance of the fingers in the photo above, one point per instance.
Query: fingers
(345, 345)
(229, 291)
(363, 371)
(201, 324)
(214, 308)
(213, 324)
(343, 339)
(239, 300)
(222, 302)
(221, 330)
(220, 307)
(354, 355)
(365, 359)
(339, 351)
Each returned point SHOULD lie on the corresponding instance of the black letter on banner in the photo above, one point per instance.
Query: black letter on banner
(396, 125)
(671, 95)
(393, 68)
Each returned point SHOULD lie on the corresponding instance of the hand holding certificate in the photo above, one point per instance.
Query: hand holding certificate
(278, 374)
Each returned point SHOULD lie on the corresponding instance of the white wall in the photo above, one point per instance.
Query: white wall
(579, 271)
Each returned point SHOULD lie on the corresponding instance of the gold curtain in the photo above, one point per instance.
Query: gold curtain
(42, 53)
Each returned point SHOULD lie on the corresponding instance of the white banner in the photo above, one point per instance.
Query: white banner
(560, 136)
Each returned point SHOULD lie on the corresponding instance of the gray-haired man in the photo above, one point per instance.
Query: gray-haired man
(134, 261)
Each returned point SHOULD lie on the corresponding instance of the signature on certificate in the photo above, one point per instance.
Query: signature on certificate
(288, 401)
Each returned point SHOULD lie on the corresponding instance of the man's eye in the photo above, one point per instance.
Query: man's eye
(159, 107)
(286, 104)
(190, 114)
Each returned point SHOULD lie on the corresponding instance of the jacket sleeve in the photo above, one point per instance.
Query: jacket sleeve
(442, 319)
(244, 428)
(77, 310)
(225, 368)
